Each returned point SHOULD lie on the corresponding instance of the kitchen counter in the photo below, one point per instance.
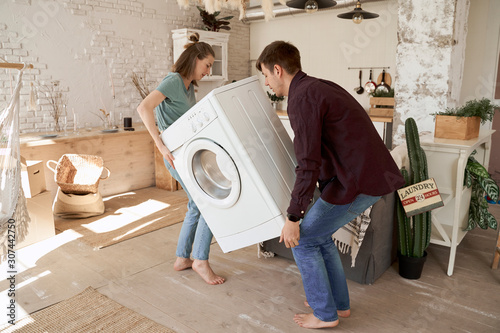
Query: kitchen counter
(129, 155)
(282, 113)
(383, 125)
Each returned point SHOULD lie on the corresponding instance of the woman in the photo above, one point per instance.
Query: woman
(173, 97)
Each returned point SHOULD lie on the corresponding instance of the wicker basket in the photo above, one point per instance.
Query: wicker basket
(78, 174)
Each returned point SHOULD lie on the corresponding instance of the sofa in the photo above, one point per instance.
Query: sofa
(377, 252)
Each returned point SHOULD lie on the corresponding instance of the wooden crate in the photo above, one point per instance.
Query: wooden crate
(458, 128)
(381, 109)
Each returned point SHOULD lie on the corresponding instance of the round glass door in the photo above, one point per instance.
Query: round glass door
(213, 173)
(209, 176)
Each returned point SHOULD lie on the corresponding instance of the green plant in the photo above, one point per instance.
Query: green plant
(274, 97)
(212, 23)
(479, 180)
(414, 233)
(482, 108)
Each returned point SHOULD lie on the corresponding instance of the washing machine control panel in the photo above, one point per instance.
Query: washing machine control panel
(193, 121)
(200, 118)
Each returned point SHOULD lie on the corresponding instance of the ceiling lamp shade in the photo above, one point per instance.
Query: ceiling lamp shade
(310, 6)
(357, 14)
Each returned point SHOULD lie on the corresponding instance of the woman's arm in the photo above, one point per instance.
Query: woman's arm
(146, 112)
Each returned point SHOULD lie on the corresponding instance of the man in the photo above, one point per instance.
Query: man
(336, 146)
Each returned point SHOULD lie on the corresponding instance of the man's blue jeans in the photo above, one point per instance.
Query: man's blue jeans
(317, 257)
(195, 235)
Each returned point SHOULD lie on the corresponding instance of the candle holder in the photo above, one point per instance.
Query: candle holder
(127, 124)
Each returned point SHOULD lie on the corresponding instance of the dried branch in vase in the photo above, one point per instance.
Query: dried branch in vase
(104, 116)
(141, 84)
(57, 100)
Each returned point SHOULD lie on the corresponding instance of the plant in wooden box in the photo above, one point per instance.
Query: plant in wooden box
(275, 99)
(414, 233)
(462, 123)
(478, 178)
(212, 23)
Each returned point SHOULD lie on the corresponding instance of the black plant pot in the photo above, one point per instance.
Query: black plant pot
(411, 267)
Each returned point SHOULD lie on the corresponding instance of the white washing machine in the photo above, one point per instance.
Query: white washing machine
(237, 162)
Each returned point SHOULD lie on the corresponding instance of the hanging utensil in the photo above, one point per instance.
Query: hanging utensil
(359, 89)
(387, 79)
(383, 87)
(370, 85)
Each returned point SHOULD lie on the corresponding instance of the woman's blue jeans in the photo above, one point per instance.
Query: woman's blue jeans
(317, 257)
(195, 236)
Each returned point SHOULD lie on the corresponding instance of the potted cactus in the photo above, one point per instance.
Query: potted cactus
(414, 232)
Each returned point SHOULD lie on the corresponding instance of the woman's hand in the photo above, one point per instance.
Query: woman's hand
(290, 234)
(167, 155)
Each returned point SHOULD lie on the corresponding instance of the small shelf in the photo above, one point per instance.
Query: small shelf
(446, 162)
(437, 238)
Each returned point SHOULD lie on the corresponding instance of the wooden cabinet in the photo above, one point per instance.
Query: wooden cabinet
(218, 41)
(128, 155)
(446, 160)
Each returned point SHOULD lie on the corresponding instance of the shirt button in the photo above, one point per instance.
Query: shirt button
(302, 212)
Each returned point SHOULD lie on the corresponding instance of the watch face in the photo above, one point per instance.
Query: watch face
(293, 218)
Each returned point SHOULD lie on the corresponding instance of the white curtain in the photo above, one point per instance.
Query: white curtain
(13, 211)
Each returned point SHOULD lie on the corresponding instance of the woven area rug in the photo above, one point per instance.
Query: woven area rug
(88, 311)
(128, 215)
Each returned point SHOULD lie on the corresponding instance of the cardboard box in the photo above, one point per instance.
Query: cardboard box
(32, 177)
(41, 226)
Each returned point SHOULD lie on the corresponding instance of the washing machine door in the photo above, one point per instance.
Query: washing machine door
(212, 174)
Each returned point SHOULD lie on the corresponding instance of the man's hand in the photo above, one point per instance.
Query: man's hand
(290, 234)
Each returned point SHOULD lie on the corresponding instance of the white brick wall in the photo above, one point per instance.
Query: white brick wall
(79, 41)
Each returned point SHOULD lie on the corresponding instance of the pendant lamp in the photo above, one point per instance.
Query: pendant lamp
(357, 14)
(311, 6)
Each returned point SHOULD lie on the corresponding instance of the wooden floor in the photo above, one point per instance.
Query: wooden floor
(261, 294)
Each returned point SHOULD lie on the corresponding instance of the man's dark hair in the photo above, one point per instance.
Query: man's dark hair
(280, 53)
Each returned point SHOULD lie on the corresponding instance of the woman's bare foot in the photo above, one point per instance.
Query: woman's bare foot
(182, 264)
(205, 271)
(341, 313)
(308, 320)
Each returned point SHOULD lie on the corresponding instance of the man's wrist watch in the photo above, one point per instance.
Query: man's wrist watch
(293, 218)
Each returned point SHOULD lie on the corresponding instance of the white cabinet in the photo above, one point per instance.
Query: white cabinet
(446, 160)
(218, 41)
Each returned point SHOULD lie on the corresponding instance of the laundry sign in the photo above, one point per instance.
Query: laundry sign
(420, 197)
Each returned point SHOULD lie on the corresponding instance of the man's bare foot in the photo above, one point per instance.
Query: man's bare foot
(341, 313)
(182, 263)
(205, 271)
(344, 313)
(308, 320)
